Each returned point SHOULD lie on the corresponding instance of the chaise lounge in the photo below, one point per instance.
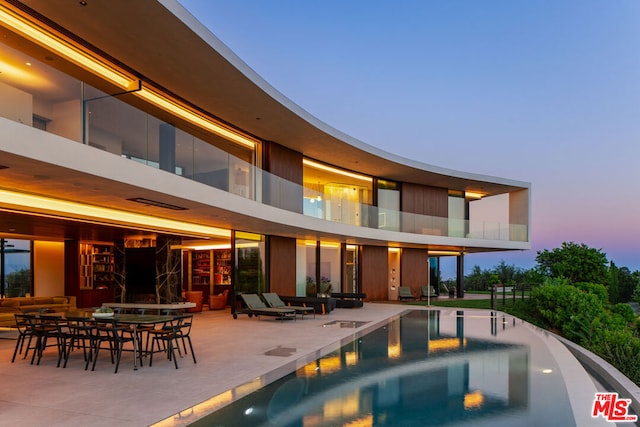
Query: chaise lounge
(404, 292)
(255, 307)
(274, 301)
(428, 292)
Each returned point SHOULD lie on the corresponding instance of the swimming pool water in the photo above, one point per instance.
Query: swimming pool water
(425, 368)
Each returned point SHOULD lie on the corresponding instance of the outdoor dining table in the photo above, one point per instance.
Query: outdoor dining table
(133, 320)
(136, 320)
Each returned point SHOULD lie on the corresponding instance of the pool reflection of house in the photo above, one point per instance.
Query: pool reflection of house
(140, 157)
(405, 373)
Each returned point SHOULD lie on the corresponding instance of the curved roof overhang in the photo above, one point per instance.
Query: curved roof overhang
(209, 75)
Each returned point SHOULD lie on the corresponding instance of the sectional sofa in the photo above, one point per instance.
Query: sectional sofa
(10, 306)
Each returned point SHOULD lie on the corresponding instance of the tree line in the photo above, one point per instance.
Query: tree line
(577, 263)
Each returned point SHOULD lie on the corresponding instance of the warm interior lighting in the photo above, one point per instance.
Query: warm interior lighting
(329, 365)
(473, 195)
(95, 214)
(394, 351)
(204, 247)
(331, 169)
(445, 344)
(308, 370)
(192, 117)
(351, 358)
(365, 421)
(473, 400)
(444, 253)
(394, 250)
(57, 44)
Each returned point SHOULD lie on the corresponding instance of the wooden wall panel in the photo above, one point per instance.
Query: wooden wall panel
(425, 200)
(286, 164)
(283, 162)
(373, 272)
(414, 269)
(282, 265)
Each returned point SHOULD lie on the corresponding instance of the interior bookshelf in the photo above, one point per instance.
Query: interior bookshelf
(96, 266)
(201, 268)
(222, 272)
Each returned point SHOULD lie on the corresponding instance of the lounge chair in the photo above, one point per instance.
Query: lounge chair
(428, 292)
(274, 301)
(255, 307)
(404, 292)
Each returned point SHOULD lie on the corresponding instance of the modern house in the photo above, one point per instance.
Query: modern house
(140, 157)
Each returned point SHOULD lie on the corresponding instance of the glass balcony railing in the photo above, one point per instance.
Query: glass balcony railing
(81, 113)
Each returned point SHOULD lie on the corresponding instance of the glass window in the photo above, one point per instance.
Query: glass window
(457, 214)
(330, 268)
(306, 268)
(15, 267)
(335, 194)
(388, 205)
(351, 269)
(250, 263)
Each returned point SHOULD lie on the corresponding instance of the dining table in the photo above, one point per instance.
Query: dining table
(132, 320)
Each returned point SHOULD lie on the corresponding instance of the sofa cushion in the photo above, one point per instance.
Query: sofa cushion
(24, 301)
(42, 300)
(59, 300)
(10, 303)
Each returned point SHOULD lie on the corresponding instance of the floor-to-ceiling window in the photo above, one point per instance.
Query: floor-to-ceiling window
(351, 266)
(250, 255)
(15, 267)
(336, 195)
(388, 205)
(457, 214)
(330, 268)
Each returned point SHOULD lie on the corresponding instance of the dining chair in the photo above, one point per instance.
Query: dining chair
(116, 336)
(43, 329)
(83, 331)
(170, 336)
(25, 333)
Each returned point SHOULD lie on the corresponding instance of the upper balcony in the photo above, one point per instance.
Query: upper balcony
(35, 94)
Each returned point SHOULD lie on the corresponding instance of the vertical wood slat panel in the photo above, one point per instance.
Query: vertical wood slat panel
(373, 277)
(414, 269)
(425, 200)
(282, 265)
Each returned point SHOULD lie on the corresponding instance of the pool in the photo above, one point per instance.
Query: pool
(426, 367)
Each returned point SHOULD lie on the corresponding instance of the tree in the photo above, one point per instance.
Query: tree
(578, 263)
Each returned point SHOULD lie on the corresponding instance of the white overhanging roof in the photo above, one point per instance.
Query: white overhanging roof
(150, 37)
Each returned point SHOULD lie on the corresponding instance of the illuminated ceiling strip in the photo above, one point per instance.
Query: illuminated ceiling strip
(473, 195)
(327, 168)
(57, 44)
(80, 211)
(192, 117)
(444, 253)
(48, 40)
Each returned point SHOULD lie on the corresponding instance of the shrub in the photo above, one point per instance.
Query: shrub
(567, 309)
(594, 288)
(621, 349)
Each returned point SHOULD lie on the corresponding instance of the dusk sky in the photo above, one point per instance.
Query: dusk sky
(546, 92)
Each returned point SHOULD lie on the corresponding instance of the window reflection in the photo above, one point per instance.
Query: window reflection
(15, 266)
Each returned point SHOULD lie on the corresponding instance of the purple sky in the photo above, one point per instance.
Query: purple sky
(546, 92)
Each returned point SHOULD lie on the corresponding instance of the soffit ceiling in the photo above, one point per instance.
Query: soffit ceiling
(227, 88)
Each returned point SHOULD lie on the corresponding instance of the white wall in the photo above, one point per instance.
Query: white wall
(48, 271)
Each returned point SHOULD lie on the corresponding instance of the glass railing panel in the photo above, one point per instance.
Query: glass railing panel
(39, 96)
(280, 193)
(210, 165)
(114, 126)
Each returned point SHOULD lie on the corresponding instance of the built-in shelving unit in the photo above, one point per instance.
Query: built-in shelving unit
(96, 266)
(201, 271)
(222, 272)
